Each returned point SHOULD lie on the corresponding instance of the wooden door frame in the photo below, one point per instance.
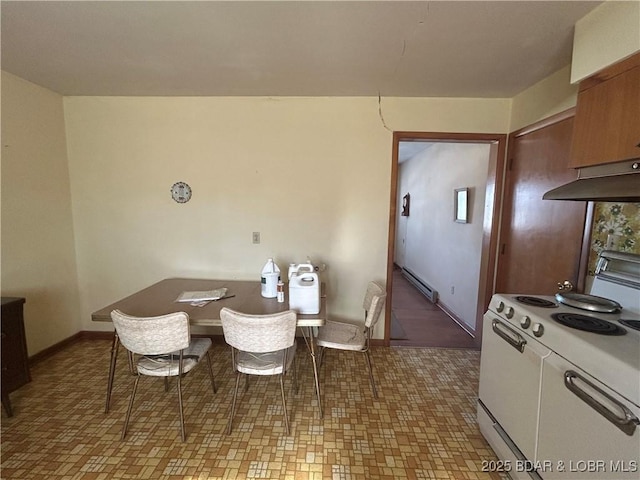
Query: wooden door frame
(494, 191)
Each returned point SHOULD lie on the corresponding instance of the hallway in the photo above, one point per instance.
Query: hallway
(416, 322)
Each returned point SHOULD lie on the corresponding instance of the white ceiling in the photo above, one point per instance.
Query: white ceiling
(306, 48)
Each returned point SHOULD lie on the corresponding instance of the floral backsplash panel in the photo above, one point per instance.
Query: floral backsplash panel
(616, 226)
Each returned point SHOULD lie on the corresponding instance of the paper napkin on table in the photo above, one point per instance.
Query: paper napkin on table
(202, 296)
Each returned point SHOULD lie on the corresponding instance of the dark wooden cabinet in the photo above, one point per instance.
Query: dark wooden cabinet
(15, 366)
(607, 122)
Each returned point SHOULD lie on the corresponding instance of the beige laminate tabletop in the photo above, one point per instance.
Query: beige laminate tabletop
(160, 298)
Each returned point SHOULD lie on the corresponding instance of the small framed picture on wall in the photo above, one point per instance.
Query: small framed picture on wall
(406, 203)
(461, 205)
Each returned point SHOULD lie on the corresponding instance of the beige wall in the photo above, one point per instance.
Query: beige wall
(311, 174)
(606, 35)
(551, 95)
(38, 255)
(475, 115)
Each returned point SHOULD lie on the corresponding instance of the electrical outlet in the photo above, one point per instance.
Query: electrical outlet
(256, 237)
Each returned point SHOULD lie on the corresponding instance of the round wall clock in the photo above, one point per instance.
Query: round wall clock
(181, 192)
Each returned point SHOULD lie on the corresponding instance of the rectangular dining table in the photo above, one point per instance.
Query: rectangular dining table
(243, 296)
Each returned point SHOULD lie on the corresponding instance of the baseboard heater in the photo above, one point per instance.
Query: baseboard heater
(420, 284)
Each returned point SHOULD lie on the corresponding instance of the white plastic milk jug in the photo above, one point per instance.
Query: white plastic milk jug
(295, 268)
(270, 279)
(304, 293)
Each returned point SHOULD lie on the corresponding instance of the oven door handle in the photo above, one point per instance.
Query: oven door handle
(627, 424)
(509, 335)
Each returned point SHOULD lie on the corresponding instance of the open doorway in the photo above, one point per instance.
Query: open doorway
(442, 238)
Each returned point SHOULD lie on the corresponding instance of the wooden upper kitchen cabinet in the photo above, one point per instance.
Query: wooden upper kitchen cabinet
(607, 121)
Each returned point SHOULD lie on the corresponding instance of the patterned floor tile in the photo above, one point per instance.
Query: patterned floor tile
(422, 427)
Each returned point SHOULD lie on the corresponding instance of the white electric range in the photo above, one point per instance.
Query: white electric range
(559, 392)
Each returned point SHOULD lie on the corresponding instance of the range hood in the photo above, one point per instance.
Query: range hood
(613, 182)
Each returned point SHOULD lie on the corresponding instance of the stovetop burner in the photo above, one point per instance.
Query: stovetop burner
(588, 324)
(635, 324)
(536, 301)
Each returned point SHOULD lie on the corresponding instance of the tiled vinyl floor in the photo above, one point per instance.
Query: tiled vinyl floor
(422, 427)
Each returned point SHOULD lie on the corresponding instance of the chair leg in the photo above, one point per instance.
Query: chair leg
(284, 405)
(132, 368)
(182, 431)
(213, 382)
(233, 403)
(112, 371)
(128, 415)
(321, 356)
(295, 375)
(166, 384)
(371, 379)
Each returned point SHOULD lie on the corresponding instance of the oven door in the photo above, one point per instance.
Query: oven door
(587, 431)
(510, 378)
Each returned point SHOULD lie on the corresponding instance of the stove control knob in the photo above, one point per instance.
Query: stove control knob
(500, 307)
(525, 322)
(537, 329)
(509, 312)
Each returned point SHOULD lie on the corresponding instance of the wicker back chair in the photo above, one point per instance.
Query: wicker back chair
(347, 336)
(164, 348)
(260, 345)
